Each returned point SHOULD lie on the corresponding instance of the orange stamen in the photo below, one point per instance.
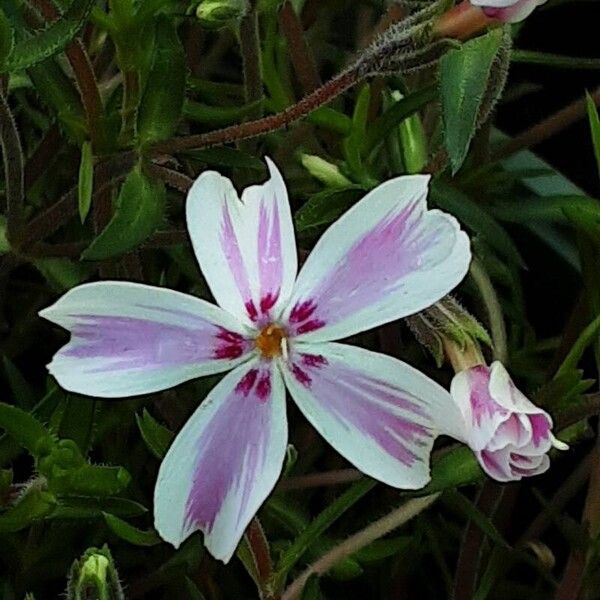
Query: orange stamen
(270, 341)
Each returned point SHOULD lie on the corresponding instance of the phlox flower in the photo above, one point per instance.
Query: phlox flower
(508, 11)
(386, 258)
(509, 435)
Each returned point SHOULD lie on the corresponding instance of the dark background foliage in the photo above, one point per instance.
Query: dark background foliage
(86, 478)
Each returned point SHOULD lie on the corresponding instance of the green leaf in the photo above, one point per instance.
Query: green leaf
(325, 207)
(86, 180)
(53, 39)
(592, 112)
(21, 390)
(89, 507)
(354, 142)
(588, 336)
(62, 273)
(218, 116)
(380, 549)
(157, 437)
(475, 218)
(33, 506)
(586, 219)
(554, 60)
(77, 422)
(88, 480)
(319, 525)
(312, 589)
(387, 122)
(25, 429)
(139, 212)
(7, 40)
(462, 504)
(162, 102)
(131, 534)
(464, 75)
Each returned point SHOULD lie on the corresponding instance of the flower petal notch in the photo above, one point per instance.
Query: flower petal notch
(509, 434)
(129, 339)
(388, 257)
(245, 246)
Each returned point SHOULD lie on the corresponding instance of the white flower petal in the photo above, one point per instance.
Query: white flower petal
(225, 461)
(129, 339)
(379, 413)
(386, 258)
(246, 248)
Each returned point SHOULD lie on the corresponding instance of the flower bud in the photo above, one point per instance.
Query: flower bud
(324, 171)
(94, 577)
(509, 435)
(216, 14)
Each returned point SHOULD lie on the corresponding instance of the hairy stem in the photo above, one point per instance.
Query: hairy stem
(251, 62)
(13, 168)
(359, 540)
(322, 95)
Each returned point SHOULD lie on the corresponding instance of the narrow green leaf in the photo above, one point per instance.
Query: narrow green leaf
(139, 212)
(320, 524)
(90, 507)
(33, 506)
(89, 480)
(157, 437)
(7, 40)
(380, 549)
(131, 534)
(77, 422)
(464, 75)
(53, 39)
(462, 504)
(588, 336)
(325, 207)
(218, 116)
(587, 219)
(21, 390)
(25, 429)
(312, 589)
(554, 60)
(399, 111)
(592, 112)
(86, 180)
(162, 102)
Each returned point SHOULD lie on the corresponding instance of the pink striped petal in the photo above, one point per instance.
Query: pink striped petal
(129, 339)
(379, 413)
(225, 461)
(246, 248)
(386, 258)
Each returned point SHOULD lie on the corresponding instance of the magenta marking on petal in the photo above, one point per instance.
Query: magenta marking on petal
(310, 326)
(269, 252)
(230, 456)
(246, 384)
(228, 352)
(378, 263)
(482, 403)
(251, 310)
(302, 376)
(314, 360)
(302, 311)
(233, 255)
(540, 427)
(519, 458)
(230, 337)
(263, 387)
(369, 405)
(267, 302)
(131, 343)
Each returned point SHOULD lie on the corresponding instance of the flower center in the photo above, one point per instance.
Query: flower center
(272, 341)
